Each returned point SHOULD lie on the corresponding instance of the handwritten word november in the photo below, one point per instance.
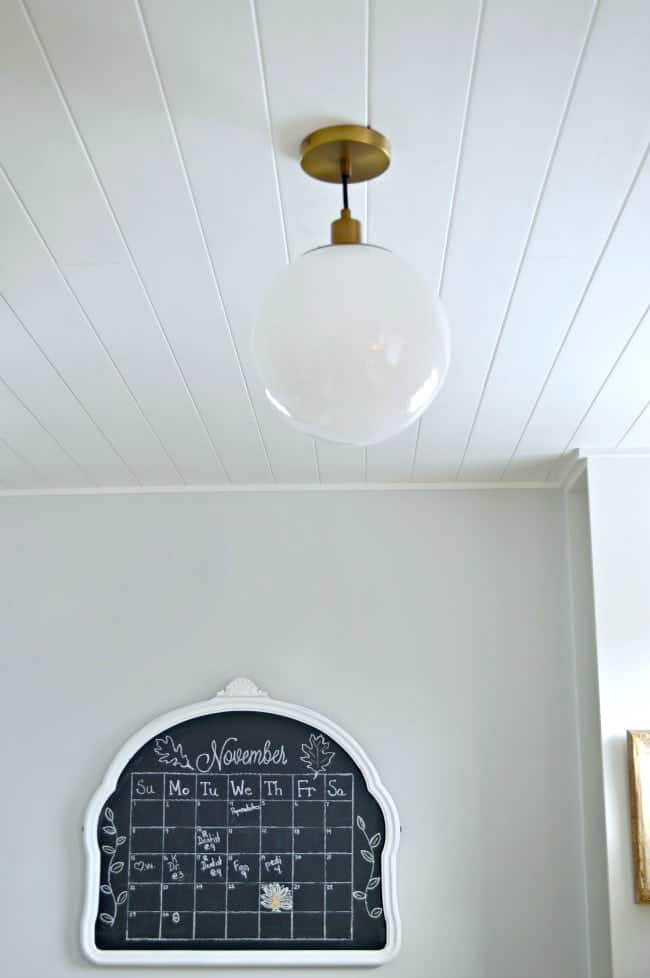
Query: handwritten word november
(229, 754)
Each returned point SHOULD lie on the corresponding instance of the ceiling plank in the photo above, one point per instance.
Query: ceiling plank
(78, 231)
(315, 63)
(42, 298)
(514, 109)
(44, 391)
(340, 463)
(26, 436)
(622, 396)
(421, 55)
(151, 192)
(144, 187)
(637, 437)
(16, 472)
(206, 57)
(607, 315)
(391, 461)
(601, 142)
(314, 58)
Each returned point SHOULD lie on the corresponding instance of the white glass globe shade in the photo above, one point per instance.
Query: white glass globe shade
(350, 344)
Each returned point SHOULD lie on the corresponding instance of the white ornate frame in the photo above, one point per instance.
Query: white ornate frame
(242, 694)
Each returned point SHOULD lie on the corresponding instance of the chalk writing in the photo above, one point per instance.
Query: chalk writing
(212, 865)
(173, 865)
(283, 843)
(274, 865)
(242, 828)
(250, 807)
(242, 868)
(144, 788)
(208, 790)
(228, 754)
(207, 841)
(140, 866)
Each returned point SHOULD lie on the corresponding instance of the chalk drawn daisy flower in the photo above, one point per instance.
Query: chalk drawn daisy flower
(276, 897)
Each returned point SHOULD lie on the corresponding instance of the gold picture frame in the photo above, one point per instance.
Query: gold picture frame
(638, 753)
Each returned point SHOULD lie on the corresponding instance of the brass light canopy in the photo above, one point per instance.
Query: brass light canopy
(366, 150)
(345, 154)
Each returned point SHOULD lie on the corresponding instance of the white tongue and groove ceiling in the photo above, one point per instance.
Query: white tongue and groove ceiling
(150, 190)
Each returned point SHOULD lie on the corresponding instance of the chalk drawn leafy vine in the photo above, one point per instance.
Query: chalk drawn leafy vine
(373, 880)
(110, 848)
(316, 755)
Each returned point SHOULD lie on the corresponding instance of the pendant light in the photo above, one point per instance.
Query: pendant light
(351, 345)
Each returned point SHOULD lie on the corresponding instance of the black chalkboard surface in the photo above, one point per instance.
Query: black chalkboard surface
(238, 830)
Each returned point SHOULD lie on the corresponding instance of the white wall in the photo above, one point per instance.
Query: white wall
(619, 495)
(433, 625)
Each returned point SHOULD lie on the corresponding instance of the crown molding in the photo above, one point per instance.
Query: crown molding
(569, 469)
(284, 487)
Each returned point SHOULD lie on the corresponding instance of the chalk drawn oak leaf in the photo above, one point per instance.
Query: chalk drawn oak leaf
(171, 753)
(316, 755)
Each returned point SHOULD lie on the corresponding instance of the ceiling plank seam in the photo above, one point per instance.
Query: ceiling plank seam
(631, 427)
(592, 276)
(602, 386)
(59, 270)
(22, 459)
(47, 431)
(77, 400)
(454, 189)
(536, 210)
(201, 229)
(118, 228)
(269, 122)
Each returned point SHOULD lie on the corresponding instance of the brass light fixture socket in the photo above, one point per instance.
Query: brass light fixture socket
(366, 151)
(346, 230)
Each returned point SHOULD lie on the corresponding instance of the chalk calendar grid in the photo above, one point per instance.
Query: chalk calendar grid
(243, 857)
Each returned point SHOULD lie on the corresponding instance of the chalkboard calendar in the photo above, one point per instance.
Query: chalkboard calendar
(241, 830)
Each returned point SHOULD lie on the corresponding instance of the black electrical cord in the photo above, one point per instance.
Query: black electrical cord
(344, 181)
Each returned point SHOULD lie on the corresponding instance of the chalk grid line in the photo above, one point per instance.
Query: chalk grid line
(195, 854)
